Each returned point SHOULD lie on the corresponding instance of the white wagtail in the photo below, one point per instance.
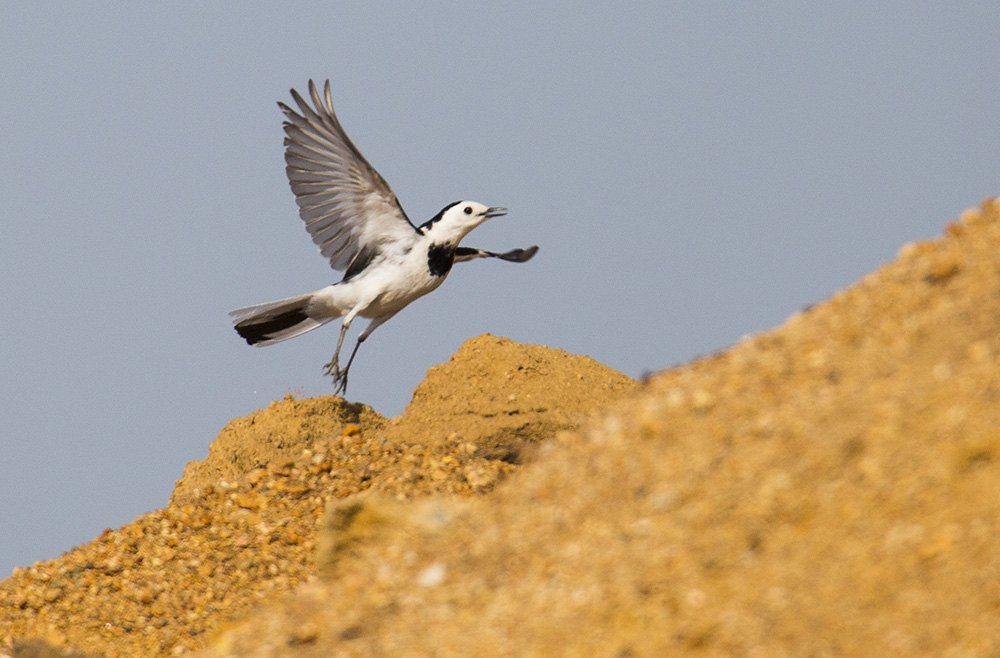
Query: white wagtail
(354, 217)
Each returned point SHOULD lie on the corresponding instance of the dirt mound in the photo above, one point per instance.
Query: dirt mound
(503, 395)
(826, 488)
(241, 525)
(277, 434)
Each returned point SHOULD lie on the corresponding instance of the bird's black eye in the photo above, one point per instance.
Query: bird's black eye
(468, 210)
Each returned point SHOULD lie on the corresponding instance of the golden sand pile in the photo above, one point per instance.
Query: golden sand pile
(831, 487)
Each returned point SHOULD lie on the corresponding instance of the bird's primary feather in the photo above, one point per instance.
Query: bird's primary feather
(346, 204)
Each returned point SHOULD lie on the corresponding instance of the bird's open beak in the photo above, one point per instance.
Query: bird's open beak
(494, 212)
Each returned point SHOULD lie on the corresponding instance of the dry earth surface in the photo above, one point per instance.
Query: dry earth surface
(827, 488)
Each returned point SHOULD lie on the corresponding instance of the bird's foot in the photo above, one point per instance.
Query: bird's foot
(339, 377)
(340, 381)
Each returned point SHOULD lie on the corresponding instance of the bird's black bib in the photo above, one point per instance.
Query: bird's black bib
(440, 258)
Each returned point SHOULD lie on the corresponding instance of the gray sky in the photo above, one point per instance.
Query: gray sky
(693, 172)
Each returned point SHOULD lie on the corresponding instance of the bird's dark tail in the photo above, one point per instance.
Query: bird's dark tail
(273, 322)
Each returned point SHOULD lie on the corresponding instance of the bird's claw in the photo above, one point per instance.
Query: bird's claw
(339, 377)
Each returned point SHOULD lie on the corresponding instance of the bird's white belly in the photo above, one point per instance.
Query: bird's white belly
(381, 291)
(397, 292)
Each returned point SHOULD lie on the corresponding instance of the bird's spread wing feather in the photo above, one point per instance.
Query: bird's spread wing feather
(347, 206)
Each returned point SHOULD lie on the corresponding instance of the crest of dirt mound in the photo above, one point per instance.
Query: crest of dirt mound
(503, 396)
(277, 434)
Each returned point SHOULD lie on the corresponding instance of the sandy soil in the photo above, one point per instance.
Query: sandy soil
(827, 488)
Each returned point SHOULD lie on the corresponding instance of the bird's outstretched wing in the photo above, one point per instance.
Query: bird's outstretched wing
(349, 209)
(514, 255)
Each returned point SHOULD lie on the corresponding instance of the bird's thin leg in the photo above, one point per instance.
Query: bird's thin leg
(342, 387)
(333, 368)
(342, 378)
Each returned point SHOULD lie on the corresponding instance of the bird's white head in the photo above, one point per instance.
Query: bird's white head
(456, 220)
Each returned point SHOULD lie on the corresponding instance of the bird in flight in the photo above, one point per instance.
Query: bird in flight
(358, 224)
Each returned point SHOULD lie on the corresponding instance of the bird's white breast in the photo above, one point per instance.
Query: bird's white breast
(387, 285)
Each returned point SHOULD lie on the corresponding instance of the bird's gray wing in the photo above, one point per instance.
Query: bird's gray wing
(348, 208)
(514, 255)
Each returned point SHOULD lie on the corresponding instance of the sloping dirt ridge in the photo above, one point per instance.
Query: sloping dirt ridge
(826, 488)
